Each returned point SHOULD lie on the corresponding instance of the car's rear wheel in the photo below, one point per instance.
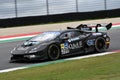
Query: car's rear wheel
(100, 45)
(53, 52)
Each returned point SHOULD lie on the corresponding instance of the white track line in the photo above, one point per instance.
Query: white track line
(12, 69)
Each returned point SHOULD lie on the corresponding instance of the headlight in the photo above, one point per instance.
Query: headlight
(13, 50)
(38, 48)
(33, 50)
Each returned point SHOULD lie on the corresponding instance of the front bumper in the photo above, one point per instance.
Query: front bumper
(29, 57)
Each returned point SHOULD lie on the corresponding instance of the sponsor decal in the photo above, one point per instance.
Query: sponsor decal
(65, 51)
(107, 42)
(90, 42)
(73, 39)
(75, 45)
(97, 34)
(62, 46)
(66, 47)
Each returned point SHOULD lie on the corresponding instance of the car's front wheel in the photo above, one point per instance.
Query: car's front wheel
(53, 52)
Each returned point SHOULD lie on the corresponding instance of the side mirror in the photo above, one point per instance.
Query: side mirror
(27, 43)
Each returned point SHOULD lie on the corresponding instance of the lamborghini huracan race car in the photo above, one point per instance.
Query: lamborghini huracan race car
(55, 44)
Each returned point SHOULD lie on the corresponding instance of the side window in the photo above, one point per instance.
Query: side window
(67, 34)
(76, 34)
(71, 34)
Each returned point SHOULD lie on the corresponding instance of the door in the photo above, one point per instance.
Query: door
(71, 42)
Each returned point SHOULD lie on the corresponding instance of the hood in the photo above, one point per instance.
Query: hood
(26, 47)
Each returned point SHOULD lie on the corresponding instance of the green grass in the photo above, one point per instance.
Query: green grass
(98, 68)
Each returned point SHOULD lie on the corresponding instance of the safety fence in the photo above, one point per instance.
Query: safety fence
(25, 8)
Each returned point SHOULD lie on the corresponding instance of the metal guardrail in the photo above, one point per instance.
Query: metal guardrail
(25, 8)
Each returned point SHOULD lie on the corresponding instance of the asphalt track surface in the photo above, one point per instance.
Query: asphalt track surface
(5, 49)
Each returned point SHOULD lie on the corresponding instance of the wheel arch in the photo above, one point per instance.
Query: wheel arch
(55, 44)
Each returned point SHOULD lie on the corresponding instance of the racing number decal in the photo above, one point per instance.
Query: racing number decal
(64, 48)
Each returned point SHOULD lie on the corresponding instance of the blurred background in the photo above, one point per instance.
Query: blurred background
(25, 8)
(31, 12)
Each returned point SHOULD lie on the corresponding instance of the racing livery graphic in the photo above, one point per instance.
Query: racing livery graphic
(55, 44)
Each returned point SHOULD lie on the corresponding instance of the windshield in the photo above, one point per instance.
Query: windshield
(45, 36)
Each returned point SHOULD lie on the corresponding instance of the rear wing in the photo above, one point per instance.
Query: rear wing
(88, 27)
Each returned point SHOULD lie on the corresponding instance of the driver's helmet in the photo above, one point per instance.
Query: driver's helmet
(70, 34)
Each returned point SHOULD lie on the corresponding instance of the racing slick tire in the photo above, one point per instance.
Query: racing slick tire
(53, 52)
(100, 45)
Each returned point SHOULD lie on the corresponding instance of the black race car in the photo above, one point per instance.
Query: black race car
(55, 44)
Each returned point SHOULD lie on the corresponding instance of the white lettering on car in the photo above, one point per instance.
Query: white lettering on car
(96, 34)
(91, 42)
(66, 47)
(73, 39)
(75, 45)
